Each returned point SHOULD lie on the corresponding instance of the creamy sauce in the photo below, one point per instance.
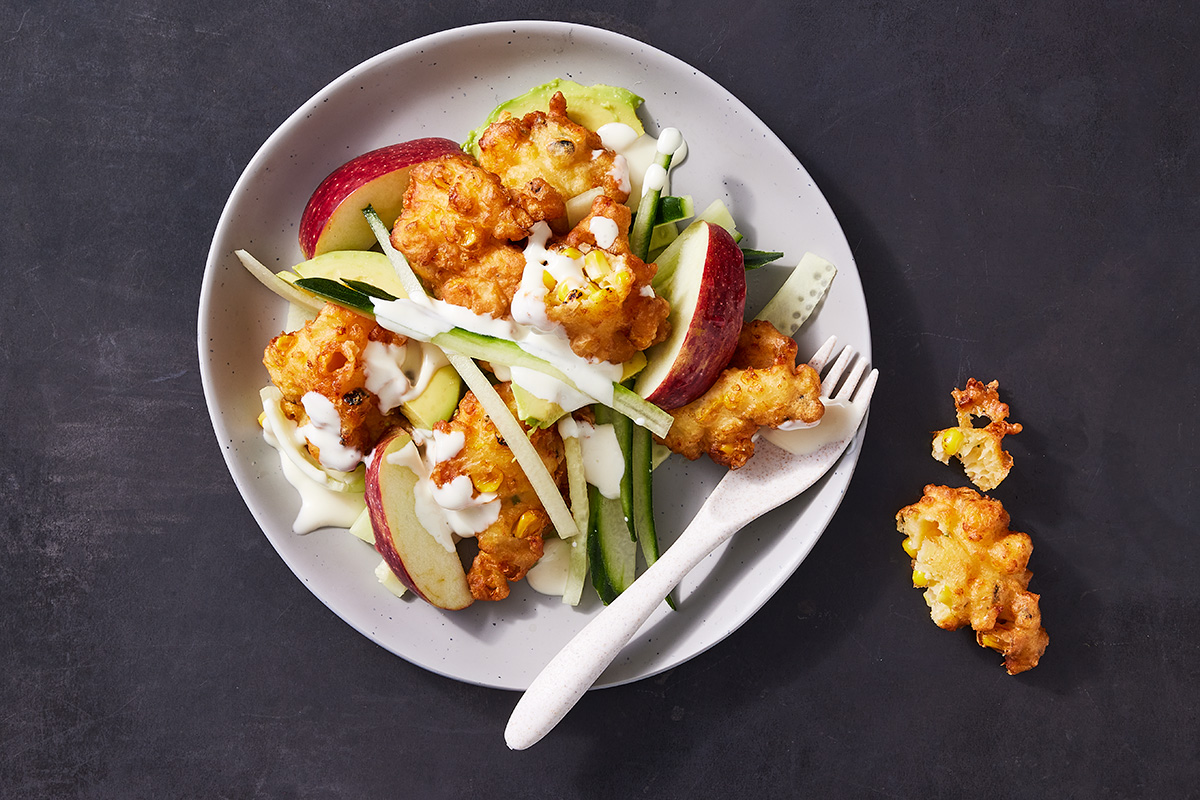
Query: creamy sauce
(603, 462)
(324, 431)
(802, 439)
(450, 510)
(552, 390)
(549, 574)
(320, 506)
(639, 152)
(400, 373)
(605, 230)
(529, 302)
(425, 320)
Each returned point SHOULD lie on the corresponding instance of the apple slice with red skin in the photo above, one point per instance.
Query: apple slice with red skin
(333, 218)
(432, 572)
(702, 275)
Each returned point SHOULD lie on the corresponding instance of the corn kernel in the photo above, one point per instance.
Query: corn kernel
(490, 483)
(945, 596)
(570, 252)
(262, 420)
(987, 640)
(952, 440)
(920, 578)
(527, 524)
(548, 279)
(911, 546)
(563, 293)
(595, 264)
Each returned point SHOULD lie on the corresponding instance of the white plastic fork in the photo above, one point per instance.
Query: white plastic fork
(769, 479)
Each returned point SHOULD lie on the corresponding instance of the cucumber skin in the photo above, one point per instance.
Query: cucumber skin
(599, 572)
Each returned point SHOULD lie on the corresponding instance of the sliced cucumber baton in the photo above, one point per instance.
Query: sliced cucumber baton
(614, 552)
(577, 563)
(656, 178)
(800, 294)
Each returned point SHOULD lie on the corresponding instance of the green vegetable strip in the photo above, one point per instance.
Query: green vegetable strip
(642, 466)
(599, 573)
(643, 225)
(577, 563)
(408, 278)
(339, 293)
(753, 259)
(624, 430)
(368, 289)
(617, 551)
(640, 463)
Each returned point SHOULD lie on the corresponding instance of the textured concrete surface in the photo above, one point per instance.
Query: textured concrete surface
(1019, 187)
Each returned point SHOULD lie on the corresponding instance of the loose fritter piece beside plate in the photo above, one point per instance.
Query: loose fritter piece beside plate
(512, 544)
(974, 571)
(544, 152)
(326, 356)
(616, 314)
(458, 229)
(761, 386)
(979, 449)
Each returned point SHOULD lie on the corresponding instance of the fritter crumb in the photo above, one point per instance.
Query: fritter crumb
(973, 569)
(979, 449)
(761, 386)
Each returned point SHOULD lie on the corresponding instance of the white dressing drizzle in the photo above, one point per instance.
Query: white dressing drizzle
(549, 574)
(400, 373)
(603, 462)
(320, 506)
(550, 389)
(450, 510)
(639, 152)
(324, 431)
(605, 230)
(801, 439)
(425, 321)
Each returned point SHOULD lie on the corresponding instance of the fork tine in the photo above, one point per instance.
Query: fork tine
(851, 382)
(831, 378)
(821, 357)
(863, 395)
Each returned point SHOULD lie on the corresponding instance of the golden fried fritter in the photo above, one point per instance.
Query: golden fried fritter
(326, 356)
(457, 231)
(512, 544)
(974, 569)
(979, 449)
(545, 152)
(762, 386)
(614, 315)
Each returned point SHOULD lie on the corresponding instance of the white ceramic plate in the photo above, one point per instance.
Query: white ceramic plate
(444, 85)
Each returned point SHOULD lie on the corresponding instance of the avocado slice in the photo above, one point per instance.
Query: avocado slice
(437, 403)
(534, 411)
(367, 266)
(589, 106)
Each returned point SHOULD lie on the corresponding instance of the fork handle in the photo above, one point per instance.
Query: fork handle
(569, 674)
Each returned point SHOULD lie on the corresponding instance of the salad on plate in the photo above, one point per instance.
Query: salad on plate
(491, 346)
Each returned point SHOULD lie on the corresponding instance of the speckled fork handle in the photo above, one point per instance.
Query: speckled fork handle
(770, 478)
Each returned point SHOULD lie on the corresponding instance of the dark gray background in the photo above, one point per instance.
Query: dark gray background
(1019, 187)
